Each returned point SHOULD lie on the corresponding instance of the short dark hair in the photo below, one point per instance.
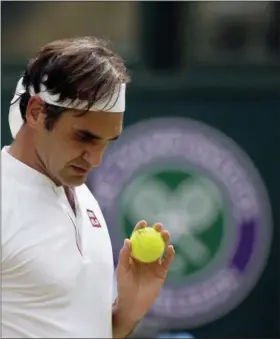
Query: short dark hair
(84, 68)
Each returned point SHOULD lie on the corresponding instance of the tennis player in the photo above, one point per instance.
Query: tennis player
(57, 262)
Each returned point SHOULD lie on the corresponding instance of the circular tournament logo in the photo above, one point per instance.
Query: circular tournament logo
(208, 195)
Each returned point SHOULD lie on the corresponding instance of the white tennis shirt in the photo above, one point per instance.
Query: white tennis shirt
(57, 267)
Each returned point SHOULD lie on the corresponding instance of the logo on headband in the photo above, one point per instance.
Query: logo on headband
(210, 197)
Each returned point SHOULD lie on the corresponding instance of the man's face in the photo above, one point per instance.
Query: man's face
(76, 144)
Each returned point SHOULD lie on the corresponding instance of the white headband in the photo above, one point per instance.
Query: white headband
(115, 104)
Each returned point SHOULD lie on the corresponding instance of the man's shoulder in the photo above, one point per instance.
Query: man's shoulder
(84, 193)
(24, 206)
(20, 195)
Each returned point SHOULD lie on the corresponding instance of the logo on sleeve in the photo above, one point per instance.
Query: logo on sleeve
(92, 217)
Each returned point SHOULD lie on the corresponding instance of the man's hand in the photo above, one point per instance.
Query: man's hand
(138, 285)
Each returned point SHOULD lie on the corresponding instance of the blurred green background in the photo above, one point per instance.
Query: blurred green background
(215, 62)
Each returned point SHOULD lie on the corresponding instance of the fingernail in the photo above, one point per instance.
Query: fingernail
(126, 243)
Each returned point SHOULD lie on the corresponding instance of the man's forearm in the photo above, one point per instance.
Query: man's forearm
(123, 326)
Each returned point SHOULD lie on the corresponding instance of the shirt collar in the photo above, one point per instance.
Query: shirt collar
(25, 173)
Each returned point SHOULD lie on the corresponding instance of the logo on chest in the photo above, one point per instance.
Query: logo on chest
(92, 217)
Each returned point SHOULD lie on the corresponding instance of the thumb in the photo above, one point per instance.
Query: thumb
(124, 256)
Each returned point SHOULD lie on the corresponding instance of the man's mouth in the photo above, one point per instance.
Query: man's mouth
(80, 170)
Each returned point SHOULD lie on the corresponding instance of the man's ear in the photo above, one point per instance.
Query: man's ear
(34, 110)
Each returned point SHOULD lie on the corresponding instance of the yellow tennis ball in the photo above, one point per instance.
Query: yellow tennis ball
(147, 244)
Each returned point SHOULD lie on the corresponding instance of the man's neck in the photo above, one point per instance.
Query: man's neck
(23, 150)
(70, 196)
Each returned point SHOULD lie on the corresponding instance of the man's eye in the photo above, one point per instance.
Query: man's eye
(82, 137)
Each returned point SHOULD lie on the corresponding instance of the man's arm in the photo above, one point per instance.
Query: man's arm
(123, 326)
(139, 284)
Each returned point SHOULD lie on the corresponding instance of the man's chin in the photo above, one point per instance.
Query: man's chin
(74, 181)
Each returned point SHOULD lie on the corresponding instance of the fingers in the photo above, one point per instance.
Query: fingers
(164, 233)
(165, 236)
(140, 224)
(125, 253)
(143, 223)
(158, 226)
(124, 256)
(169, 252)
(169, 256)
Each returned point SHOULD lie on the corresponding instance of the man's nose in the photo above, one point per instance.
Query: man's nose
(93, 156)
